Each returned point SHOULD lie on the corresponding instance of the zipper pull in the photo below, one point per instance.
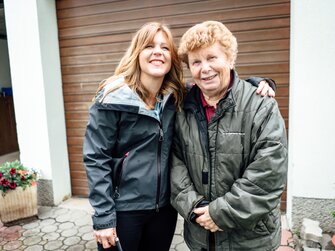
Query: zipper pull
(157, 208)
(116, 193)
(161, 134)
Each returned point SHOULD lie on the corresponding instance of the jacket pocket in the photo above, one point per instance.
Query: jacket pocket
(231, 142)
(117, 175)
(261, 228)
(195, 236)
(269, 222)
(266, 225)
(119, 165)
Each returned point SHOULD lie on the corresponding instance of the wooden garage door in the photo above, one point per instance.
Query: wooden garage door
(94, 34)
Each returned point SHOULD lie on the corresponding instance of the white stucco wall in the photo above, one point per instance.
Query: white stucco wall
(5, 80)
(312, 105)
(36, 80)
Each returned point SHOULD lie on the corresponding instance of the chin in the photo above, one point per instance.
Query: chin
(211, 88)
(158, 74)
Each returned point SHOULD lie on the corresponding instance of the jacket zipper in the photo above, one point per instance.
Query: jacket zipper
(209, 193)
(160, 140)
(210, 171)
(207, 152)
(118, 177)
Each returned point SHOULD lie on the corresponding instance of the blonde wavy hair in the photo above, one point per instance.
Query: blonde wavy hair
(206, 34)
(129, 66)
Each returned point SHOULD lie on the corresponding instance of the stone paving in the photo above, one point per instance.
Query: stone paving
(58, 228)
(69, 227)
(54, 229)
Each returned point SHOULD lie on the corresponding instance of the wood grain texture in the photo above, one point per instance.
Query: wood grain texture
(94, 34)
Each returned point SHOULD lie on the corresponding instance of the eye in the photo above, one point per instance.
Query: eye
(196, 62)
(148, 46)
(165, 48)
(210, 58)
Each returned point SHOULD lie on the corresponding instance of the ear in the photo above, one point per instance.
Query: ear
(231, 64)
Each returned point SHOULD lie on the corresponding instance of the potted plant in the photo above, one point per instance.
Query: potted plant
(18, 191)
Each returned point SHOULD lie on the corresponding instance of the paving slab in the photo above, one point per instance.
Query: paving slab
(70, 228)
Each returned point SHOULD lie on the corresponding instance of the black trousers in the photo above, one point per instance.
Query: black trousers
(211, 240)
(145, 230)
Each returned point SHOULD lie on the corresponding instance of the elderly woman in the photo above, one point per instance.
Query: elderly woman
(229, 158)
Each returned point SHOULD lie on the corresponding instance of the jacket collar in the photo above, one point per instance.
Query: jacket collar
(125, 99)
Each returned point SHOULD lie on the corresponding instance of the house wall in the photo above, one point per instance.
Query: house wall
(5, 80)
(311, 184)
(94, 35)
(36, 80)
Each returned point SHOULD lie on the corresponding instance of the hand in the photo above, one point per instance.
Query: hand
(106, 237)
(263, 88)
(205, 219)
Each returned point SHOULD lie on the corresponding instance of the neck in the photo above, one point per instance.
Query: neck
(152, 86)
(153, 89)
(213, 99)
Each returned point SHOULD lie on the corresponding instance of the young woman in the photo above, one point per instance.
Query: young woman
(127, 145)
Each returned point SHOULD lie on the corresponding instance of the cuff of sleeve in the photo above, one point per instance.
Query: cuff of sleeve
(108, 221)
(272, 83)
(255, 81)
(219, 216)
(192, 216)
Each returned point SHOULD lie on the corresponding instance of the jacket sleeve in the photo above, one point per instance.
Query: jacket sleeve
(255, 81)
(257, 192)
(184, 196)
(99, 141)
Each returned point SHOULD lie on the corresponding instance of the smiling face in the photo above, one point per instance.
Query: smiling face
(155, 59)
(210, 69)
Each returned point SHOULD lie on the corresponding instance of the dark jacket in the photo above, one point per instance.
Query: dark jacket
(126, 153)
(238, 162)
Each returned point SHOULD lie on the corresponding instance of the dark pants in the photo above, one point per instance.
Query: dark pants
(211, 240)
(145, 230)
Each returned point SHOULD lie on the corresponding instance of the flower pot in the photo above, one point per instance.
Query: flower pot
(333, 239)
(18, 204)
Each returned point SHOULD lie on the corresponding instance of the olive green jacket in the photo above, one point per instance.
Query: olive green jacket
(237, 161)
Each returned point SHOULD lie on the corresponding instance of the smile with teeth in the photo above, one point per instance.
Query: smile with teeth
(209, 78)
(156, 62)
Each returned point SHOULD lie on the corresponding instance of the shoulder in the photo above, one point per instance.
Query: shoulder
(116, 91)
(245, 87)
(247, 99)
(113, 84)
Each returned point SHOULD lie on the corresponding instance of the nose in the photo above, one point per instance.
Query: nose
(157, 50)
(205, 67)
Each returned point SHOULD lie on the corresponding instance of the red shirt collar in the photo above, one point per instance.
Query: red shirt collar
(203, 101)
(209, 110)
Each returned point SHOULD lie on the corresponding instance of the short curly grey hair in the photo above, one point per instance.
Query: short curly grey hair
(206, 34)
